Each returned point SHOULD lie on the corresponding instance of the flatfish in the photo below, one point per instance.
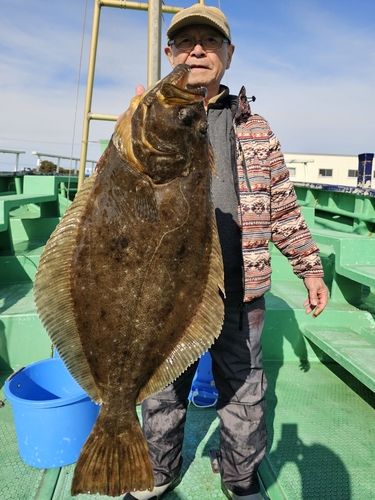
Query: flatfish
(128, 284)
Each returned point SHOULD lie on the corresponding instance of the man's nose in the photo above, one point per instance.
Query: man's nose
(198, 48)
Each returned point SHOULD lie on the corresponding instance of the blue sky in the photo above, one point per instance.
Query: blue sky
(310, 64)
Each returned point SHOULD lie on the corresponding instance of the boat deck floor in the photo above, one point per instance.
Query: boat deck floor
(313, 452)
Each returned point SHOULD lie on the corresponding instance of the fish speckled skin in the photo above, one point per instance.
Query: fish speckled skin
(128, 284)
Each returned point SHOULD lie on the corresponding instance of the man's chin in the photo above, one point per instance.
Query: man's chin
(195, 84)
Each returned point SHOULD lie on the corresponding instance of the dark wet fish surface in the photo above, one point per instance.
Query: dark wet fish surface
(128, 284)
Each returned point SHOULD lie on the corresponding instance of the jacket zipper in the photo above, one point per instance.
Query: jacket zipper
(245, 169)
(240, 319)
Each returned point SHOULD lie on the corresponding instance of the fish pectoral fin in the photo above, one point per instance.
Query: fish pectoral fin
(145, 202)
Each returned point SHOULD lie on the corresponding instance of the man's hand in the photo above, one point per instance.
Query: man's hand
(139, 89)
(317, 295)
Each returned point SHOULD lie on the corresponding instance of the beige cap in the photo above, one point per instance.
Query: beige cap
(200, 14)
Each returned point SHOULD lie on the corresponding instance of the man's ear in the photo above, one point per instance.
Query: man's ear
(230, 54)
(168, 53)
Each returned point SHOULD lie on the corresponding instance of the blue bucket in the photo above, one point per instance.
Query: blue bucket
(203, 393)
(53, 416)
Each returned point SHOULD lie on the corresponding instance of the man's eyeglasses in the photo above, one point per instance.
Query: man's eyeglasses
(208, 43)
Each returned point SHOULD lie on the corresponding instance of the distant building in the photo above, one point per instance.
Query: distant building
(326, 169)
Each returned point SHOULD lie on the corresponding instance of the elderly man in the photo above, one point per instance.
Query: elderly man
(254, 203)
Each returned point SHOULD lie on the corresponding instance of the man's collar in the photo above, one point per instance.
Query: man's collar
(223, 92)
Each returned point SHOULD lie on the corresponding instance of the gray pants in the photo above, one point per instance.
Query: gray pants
(241, 383)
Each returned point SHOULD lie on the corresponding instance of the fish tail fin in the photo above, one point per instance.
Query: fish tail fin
(113, 462)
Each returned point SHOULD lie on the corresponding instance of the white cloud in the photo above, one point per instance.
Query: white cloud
(39, 64)
(310, 65)
(314, 84)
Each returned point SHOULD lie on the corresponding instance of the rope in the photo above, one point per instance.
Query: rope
(77, 94)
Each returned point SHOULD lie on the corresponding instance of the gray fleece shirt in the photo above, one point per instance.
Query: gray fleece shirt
(225, 186)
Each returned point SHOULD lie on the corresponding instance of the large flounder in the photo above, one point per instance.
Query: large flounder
(128, 284)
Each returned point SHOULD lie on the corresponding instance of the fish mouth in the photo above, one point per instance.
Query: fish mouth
(177, 84)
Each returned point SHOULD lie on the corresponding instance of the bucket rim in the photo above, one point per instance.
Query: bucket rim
(45, 403)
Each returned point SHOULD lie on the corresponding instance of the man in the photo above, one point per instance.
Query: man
(254, 202)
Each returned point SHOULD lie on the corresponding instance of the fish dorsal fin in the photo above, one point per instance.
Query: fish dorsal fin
(52, 292)
(204, 328)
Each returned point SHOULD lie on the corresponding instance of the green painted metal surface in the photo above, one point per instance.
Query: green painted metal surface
(18, 481)
(321, 443)
(103, 144)
(353, 255)
(23, 340)
(43, 196)
(339, 211)
(320, 414)
(321, 423)
(353, 350)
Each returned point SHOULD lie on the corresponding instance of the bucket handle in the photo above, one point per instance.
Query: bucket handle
(2, 401)
(196, 393)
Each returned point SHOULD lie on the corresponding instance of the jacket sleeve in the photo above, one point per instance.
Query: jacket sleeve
(289, 231)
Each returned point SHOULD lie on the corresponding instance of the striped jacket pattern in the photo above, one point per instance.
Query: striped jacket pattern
(268, 209)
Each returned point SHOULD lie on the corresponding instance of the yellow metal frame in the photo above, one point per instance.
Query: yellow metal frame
(155, 9)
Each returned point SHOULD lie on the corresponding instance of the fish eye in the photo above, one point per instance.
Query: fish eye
(203, 127)
(186, 116)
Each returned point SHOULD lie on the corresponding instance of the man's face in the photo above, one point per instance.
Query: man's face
(207, 67)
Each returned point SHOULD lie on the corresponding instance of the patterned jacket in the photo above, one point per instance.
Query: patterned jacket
(268, 209)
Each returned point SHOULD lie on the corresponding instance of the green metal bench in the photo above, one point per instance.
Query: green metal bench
(353, 262)
(349, 212)
(353, 266)
(341, 224)
(8, 202)
(353, 350)
(42, 191)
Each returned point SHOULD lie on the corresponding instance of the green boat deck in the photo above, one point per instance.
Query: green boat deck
(321, 444)
(321, 378)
